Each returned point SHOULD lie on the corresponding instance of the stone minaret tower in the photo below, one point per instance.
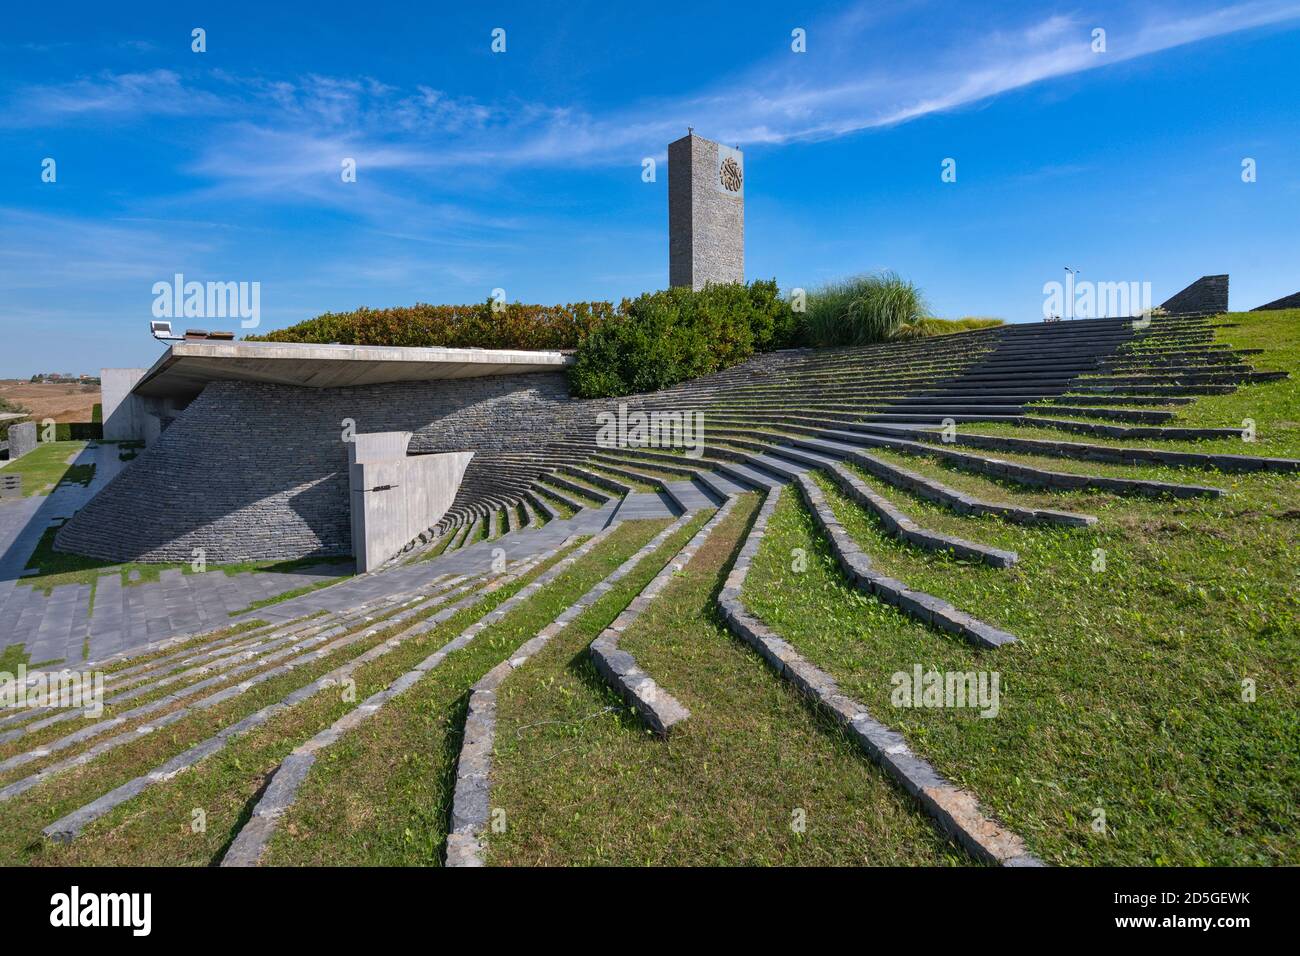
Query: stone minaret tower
(706, 212)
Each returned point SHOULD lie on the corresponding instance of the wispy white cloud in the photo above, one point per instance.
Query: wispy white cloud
(285, 139)
(109, 95)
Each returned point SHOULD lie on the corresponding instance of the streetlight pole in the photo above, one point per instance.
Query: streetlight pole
(1071, 276)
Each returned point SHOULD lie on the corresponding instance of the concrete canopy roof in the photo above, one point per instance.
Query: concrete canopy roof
(186, 367)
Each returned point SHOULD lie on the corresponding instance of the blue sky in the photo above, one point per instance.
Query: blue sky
(522, 170)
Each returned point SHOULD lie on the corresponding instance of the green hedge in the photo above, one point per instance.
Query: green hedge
(663, 338)
(513, 326)
(647, 343)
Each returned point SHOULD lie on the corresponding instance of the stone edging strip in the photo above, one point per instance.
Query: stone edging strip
(925, 487)
(901, 526)
(69, 827)
(956, 811)
(920, 605)
(1083, 451)
(251, 842)
(659, 709)
(1035, 477)
(470, 808)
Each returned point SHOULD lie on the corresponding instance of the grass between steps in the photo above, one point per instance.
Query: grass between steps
(1275, 406)
(582, 782)
(236, 707)
(1124, 693)
(381, 796)
(153, 828)
(1262, 448)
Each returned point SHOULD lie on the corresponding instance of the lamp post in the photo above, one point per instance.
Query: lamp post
(1070, 276)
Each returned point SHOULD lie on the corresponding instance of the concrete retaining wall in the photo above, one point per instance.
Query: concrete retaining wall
(395, 496)
(260, 472)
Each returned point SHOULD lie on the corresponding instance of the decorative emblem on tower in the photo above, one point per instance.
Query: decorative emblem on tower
(731, 176)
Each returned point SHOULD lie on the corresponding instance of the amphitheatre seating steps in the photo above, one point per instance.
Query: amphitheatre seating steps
(918, 604)
(471, 799)
(295, 641)
(1124, 456)
(251, 842)
(70, 826)
(655, 706)
(939, 493)
(903, 527)
(205, 703)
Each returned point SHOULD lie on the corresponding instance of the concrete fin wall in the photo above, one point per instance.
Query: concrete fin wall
(395, 496)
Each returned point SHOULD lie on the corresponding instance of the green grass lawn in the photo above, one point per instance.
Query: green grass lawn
(45, 466)
(1125, 691)
(381, 796)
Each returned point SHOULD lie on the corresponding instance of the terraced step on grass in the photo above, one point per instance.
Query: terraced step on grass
(752, 778)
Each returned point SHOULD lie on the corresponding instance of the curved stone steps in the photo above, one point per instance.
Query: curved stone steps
(1033, 477)
(357, 633)
(935, 491)
(900, 526)
(295, 640)
(1122, 455)
(857, 566)
(471, 797)
(956, 812)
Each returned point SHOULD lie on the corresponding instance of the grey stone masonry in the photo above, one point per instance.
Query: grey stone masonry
(1206, 294)
(956, 811)
(706, 213)
(259, 472)
(1286, 302)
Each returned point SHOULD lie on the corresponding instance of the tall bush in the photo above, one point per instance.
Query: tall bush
(863, 309)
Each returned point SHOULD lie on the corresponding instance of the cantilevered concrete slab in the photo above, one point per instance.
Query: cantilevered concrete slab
(186, 367)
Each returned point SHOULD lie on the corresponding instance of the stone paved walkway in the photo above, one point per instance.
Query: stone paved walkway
(60, 626)
(63, 625)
